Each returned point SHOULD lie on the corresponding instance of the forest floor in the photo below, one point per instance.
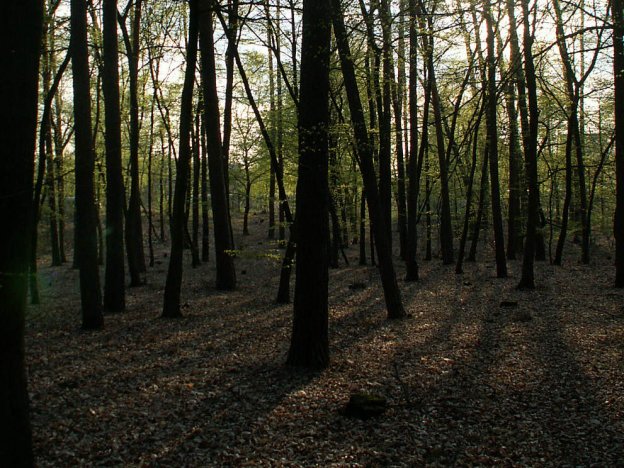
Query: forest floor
(468, 382)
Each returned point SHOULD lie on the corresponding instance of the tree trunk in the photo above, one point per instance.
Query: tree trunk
(271, 122)
(397, 104)
(196, 149)
(392, 294)
(134, 228)
(59, 147)
(229, 85)
(618, 73)
(171, 306)
(413, 168)
(205, 250)
(283, 295)
(309, 346)
(226, 274)
(114, 276)
(362, 237)
(85, 229)
(492, 132)
(527, 281)
(514, 228)
(20, 32)
(472, 254)
(385, 124)
(469, 195)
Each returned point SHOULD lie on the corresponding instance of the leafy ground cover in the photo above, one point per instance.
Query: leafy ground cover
(537, 381)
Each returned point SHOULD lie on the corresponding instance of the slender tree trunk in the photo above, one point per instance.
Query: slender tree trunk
(362, 238)
(38, 188)
(161, 187)
(52, 202)
(229, 87)
(385, 123)
(567, 199)
(171, 306)
(514, 228)
(472, 254)
(334, 182)
(527, 281)
(574, 88)
(86, 224)
(459, 268)
(413, 168)
(247, 201)
(618, 73)
(398, 89)
(283, 295)
(446, 226)
(59, 147)
(50, 181)
(492, 132)
(44, 151)
(196, 151)
(150, 164)
(428, 228)
(205, 251)
(134, 228)
(392, 294)
(114, 276)
(271, 122)
(226, 274)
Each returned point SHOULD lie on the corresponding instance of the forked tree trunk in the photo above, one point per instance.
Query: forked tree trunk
(171, 306)
(226, 273)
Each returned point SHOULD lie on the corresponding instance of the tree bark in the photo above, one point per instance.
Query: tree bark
(226, 274)
(114, 276)
(392, 294)
(134, 226)
(492, 133)
(618, 73)
(20, 42)
(85, 229)
(171, 306)
(309, 346)
(527, 281)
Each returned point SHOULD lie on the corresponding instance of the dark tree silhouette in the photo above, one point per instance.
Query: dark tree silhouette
(134, 226)
(394, 303)
(114, 276)
(86, 223)
(527, 281)
(171, 307)
(618, 72)
(226, 274)
(492, 134)
(309, 345)
(20, 40)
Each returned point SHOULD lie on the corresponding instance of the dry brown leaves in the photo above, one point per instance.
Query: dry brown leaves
(468, 382)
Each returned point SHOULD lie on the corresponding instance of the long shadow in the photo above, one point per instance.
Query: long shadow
(467, 410)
